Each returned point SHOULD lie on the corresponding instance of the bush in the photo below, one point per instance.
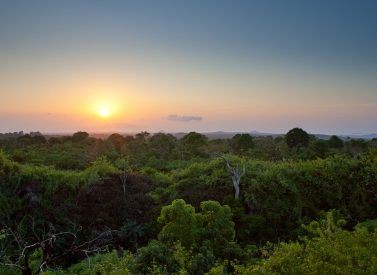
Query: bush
(331, 251)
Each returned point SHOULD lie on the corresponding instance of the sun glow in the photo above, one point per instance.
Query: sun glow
(104, 112)
(105, 106)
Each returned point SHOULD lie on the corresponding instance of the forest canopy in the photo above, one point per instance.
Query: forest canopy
(161, 204)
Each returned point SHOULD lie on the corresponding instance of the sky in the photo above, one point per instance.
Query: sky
(172, 66)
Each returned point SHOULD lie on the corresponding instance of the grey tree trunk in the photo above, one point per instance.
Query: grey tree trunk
(123, 179)
(236, 185)
(236, 177)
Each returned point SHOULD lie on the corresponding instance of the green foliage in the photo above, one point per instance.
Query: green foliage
(69, 156)
(99, 169)
(356, 146)
(189, 241)
(111, 263)
(331, 222)
(241, 143)
(131, 232)
(331, 251)
(79, 136)
(159, 258)
(282, 195)
(180, 223)
(369, 225)
(163, 146)
(217, 225)
(268, 148)
(335, 142)
(51, 179)
(319, 148)
(117, 141)
(7, 167)
(160, 178)
(297, 137)
(194, 144)
(75, 184)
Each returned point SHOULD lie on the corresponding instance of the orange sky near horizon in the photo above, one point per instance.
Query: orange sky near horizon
(61, 64)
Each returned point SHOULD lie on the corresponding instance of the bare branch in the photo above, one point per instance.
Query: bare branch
(16, 237)
(49, 240)
(236, 176)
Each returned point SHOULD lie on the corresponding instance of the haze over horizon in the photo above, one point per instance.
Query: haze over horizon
(128, 66)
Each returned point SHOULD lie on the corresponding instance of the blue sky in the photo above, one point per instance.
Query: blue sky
(240, 66)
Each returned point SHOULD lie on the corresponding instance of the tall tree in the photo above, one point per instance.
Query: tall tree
(241, 143)
(116, 140)
(297, 137)
(195, 144)
(79, 136)
(335, 142)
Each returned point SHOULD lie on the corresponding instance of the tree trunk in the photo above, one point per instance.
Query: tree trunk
(236, 177)
(236, 185)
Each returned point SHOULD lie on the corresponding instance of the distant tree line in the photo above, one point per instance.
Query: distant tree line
(160, 149)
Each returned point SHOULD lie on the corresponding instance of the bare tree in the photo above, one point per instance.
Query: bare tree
(236, 176)
(123, 179)
(122, 164)
(20, 260)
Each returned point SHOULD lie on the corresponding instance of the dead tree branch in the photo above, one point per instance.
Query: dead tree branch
(236, 176)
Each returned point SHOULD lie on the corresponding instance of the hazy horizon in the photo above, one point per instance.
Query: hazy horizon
(205, 66)
(211, 134)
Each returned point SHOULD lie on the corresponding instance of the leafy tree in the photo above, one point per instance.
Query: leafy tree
(131, 232)
(297, 137)
(218, 146)
(195, 144)
(143, 135)
(265, 148)
(335, 142)
(330, 251)
(117, 141)
(39, 139)
(190, 241)
(110, 263)
(319, 148)
(368, 225)
(241, 143)
(162, 145)
(54, 140)
(216, 226)
(25, 139)
(159, 258)
(356, 146)
(373, 143)
(79, 136)
(137, 148)
(180, 223)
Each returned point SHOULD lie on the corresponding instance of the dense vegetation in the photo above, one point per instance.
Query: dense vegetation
(155, 204)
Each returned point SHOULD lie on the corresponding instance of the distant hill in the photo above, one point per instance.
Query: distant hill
(361, 136)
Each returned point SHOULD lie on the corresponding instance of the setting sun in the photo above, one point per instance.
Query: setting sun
(104, 112)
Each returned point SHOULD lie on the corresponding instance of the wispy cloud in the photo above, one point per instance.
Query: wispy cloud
(184, 118)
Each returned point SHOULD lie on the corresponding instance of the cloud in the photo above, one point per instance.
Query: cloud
(184, 118)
